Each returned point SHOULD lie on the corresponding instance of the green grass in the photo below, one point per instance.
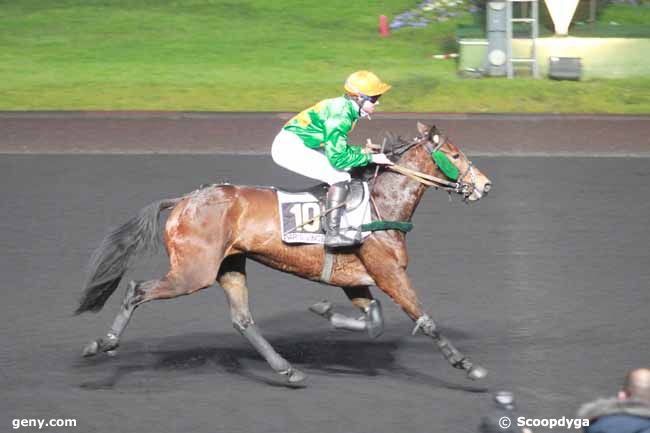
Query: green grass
(617, 21)
(624, 14)
(254, 55)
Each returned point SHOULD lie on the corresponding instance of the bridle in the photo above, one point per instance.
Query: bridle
(434, 143)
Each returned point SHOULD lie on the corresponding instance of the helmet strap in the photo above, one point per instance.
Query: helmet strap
(363, 113)
(359, 100)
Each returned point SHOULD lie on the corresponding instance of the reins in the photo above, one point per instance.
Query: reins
(425, 178)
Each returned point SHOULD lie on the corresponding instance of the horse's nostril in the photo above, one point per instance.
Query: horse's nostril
(487, 187)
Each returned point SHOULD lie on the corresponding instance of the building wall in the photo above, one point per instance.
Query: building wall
(601, 57)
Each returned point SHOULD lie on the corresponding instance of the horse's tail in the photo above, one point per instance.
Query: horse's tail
(111, 259)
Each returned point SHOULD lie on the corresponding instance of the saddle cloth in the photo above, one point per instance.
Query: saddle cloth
(302, 214)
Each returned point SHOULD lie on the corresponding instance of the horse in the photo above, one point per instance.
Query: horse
(211, 231)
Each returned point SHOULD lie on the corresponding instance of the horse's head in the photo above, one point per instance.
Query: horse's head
(446, 162)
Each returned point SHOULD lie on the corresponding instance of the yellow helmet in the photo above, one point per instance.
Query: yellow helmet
(365, 83)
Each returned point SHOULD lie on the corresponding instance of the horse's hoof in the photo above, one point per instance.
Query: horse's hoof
(322, 308)
(477, 373)
(90, 349)
(296, 377)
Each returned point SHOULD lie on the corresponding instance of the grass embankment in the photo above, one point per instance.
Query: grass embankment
(255, 55)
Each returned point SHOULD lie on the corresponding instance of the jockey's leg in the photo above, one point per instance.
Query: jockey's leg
(290, 152)
(232, 277)
(336, 197)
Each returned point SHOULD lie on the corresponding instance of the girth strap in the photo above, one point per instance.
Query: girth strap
(328, 266)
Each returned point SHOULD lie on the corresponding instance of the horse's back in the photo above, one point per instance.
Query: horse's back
(215, 200)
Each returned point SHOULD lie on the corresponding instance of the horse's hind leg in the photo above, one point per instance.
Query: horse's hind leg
(372, 320)
(232, 278)
(188, 276)
(112, 338)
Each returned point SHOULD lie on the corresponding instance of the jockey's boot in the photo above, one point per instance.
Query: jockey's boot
(336, 196)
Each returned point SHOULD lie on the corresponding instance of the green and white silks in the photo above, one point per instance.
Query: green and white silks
(326, 125)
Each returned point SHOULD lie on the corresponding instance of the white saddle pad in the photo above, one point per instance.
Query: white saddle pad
(301, 221)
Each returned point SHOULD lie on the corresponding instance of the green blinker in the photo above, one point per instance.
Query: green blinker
(445, 165)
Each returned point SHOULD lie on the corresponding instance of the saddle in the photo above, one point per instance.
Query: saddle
(302, 213)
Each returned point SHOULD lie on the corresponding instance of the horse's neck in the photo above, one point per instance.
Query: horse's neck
(397, 196)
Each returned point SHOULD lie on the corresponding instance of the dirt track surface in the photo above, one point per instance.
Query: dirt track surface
(179, 132)
(544, 282)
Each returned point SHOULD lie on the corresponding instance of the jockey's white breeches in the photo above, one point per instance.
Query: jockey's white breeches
(290, 152)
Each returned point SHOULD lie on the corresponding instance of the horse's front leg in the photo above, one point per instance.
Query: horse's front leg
(232, 277)
(372, 320)
(386, 259)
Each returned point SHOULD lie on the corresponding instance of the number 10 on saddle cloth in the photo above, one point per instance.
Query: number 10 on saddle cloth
(301, 215)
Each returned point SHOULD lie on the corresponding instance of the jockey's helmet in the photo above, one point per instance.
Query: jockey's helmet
(365, 84)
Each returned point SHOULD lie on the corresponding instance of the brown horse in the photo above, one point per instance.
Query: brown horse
(211, 231)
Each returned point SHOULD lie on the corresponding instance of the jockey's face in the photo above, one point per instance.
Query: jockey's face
(369, 106)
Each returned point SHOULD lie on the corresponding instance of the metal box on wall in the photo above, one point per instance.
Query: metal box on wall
(564, 68)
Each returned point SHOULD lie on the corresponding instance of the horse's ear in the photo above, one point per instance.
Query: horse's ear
(423, 129)
(434, 135)
(390, 140)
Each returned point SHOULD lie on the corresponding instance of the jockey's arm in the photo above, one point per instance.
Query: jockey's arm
(340, 154)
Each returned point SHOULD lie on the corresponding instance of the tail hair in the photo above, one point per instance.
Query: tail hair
(112, 258)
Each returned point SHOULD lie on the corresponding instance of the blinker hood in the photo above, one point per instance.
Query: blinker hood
(445, 165)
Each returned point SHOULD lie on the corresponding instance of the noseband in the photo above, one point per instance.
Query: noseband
(459, 187)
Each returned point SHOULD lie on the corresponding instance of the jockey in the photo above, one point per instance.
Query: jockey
(314, 143)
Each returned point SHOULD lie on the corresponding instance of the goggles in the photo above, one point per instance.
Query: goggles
(373, 99)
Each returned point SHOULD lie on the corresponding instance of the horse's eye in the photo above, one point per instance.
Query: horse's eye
(456, 155)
